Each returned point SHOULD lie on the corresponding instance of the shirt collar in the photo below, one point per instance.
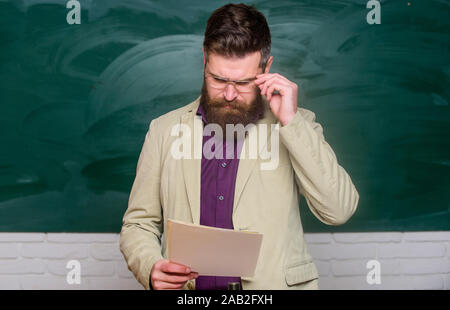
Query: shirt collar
(201, 112)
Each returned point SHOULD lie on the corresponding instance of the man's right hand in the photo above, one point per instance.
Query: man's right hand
(166, 275)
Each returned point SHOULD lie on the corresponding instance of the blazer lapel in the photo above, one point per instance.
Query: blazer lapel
(246, 164)
(192, 166)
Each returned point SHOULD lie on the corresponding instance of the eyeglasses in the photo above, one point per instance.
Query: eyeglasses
(219, 83)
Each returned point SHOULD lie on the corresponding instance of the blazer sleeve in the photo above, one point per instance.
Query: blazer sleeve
(140, 237)
(328, 189)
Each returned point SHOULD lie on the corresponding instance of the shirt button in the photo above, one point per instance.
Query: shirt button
(224, 165)
(220, 197)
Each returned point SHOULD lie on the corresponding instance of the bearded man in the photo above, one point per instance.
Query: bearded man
(228, 191)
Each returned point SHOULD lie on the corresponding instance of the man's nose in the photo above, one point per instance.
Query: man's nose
(230, 92)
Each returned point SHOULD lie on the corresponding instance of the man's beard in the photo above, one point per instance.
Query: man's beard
(238, 112)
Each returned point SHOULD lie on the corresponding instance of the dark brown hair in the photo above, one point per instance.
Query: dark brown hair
(235, 30)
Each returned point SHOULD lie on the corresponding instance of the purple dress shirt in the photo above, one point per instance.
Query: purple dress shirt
(218, 178)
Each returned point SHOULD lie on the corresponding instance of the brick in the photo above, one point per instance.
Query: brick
(359, 267)
(387, 283)
(9, 250)
(352, 251)
(321, 251)
(114, 284)
(427, 236)
(393, 283)
(22, 237)
(326, 283)
(390, 267)
(428, 282)
(97, 268)
(106, 252)
(60, 251)
(9, 282)
(82, 238)
(50, 282)
(447, 281)
(425, 266)
(122, 270)
(367, 237)
(88, 268)
(315, 238)
(22, 266)
(411, 250)
(323, 268)
(349, 268)
(346, 283)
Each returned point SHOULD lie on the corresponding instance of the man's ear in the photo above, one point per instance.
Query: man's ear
(269, 63)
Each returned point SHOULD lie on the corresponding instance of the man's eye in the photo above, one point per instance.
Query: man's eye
(219, 80)
(242, 83)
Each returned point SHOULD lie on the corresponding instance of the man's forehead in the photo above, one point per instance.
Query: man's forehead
(234, 67)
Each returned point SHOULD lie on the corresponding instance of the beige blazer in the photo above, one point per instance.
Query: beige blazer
(265, 200)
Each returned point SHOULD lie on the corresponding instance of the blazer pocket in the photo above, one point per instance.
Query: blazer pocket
(301, 272)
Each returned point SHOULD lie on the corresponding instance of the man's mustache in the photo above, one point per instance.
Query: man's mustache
(235, 104)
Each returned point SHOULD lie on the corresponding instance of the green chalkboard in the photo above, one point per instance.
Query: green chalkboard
(76, 101)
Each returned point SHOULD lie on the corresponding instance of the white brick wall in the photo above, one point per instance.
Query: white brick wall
(412, 260)
(38, 261)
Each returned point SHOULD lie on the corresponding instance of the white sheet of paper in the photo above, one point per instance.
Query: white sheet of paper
(213, 251)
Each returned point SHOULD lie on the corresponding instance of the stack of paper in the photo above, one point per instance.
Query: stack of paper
(213, 251)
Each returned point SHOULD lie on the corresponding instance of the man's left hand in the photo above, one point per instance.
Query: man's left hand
(283, 104)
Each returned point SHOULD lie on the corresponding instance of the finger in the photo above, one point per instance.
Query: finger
(266, 76)
(276, 78)
(276, 86)
(269, 82)
(282, 79)
(270, 91)
(261, 78)
(161, 285)
(170, 267)
(175, 278)
(279, 79)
